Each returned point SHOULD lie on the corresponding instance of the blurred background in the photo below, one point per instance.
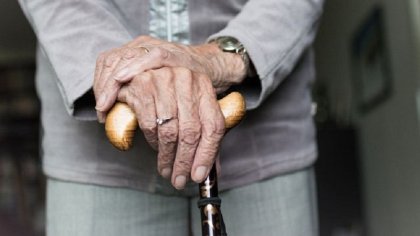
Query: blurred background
(368, 114)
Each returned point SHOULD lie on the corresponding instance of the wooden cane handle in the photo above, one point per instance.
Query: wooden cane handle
(121, 122)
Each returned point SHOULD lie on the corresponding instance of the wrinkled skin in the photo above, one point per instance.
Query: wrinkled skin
(159, 79)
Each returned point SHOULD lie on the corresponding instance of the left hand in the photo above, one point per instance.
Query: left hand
(119, 66)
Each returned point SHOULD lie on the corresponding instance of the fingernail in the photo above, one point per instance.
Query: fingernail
(166, 172)
(101, 117)
(121, 74)
(200, 173)
(180, 181)
(101, 102)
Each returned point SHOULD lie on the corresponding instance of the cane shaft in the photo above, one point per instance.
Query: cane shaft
(211, 216)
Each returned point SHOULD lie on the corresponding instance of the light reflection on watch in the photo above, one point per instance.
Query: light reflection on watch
(232, 45)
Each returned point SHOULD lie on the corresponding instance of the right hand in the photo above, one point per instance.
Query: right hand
(188, 143)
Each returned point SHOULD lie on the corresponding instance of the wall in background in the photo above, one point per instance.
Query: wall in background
(17, 41)
(389, 134)
(21, 180)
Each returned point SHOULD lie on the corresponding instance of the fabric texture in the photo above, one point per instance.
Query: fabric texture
(169, 20)
(277, 135)
(89, 210)
(282, 205)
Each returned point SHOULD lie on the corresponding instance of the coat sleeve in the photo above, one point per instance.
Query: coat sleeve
(275, 34)
(71, 34)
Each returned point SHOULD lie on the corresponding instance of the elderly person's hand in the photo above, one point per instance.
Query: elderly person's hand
(119, 66)
(162, 80)
(192, 124)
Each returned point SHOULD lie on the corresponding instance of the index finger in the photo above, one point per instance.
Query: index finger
(155, 59)
(110, 85)
(105, 63)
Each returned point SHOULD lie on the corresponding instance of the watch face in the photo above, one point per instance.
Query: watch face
(230, 44)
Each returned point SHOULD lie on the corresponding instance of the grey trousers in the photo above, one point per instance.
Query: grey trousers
(280, 206)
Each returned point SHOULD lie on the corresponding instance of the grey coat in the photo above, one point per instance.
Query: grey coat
(276, 137)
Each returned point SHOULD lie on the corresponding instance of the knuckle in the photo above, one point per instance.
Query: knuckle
(144, 78)
(206, 84)
(163, 72)
(190, 134)
(184, 73)
(148, 128)
(166, 73)
(111, 86)
(137, 77)
(149, 102)
(168, 134)
(131, 93)
(183, 165)
(110, 59)
(215, 128)
(129, 53)
(147, 76)
(161, 53)
(162, 76)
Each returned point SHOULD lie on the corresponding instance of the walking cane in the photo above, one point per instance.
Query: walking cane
(120, 127)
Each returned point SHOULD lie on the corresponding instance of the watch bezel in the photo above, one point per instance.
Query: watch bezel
(230, 44)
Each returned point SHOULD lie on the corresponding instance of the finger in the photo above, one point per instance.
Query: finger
(139, 97)
(96, 82)
(106, 93)
(101, 116)
(166, 108)
(212, 131)
(109, 86)
(155, 59)
(105, 60)
(189, 127)
(128, 56)
(98, 69)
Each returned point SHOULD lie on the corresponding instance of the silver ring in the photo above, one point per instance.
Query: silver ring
(161, 121)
